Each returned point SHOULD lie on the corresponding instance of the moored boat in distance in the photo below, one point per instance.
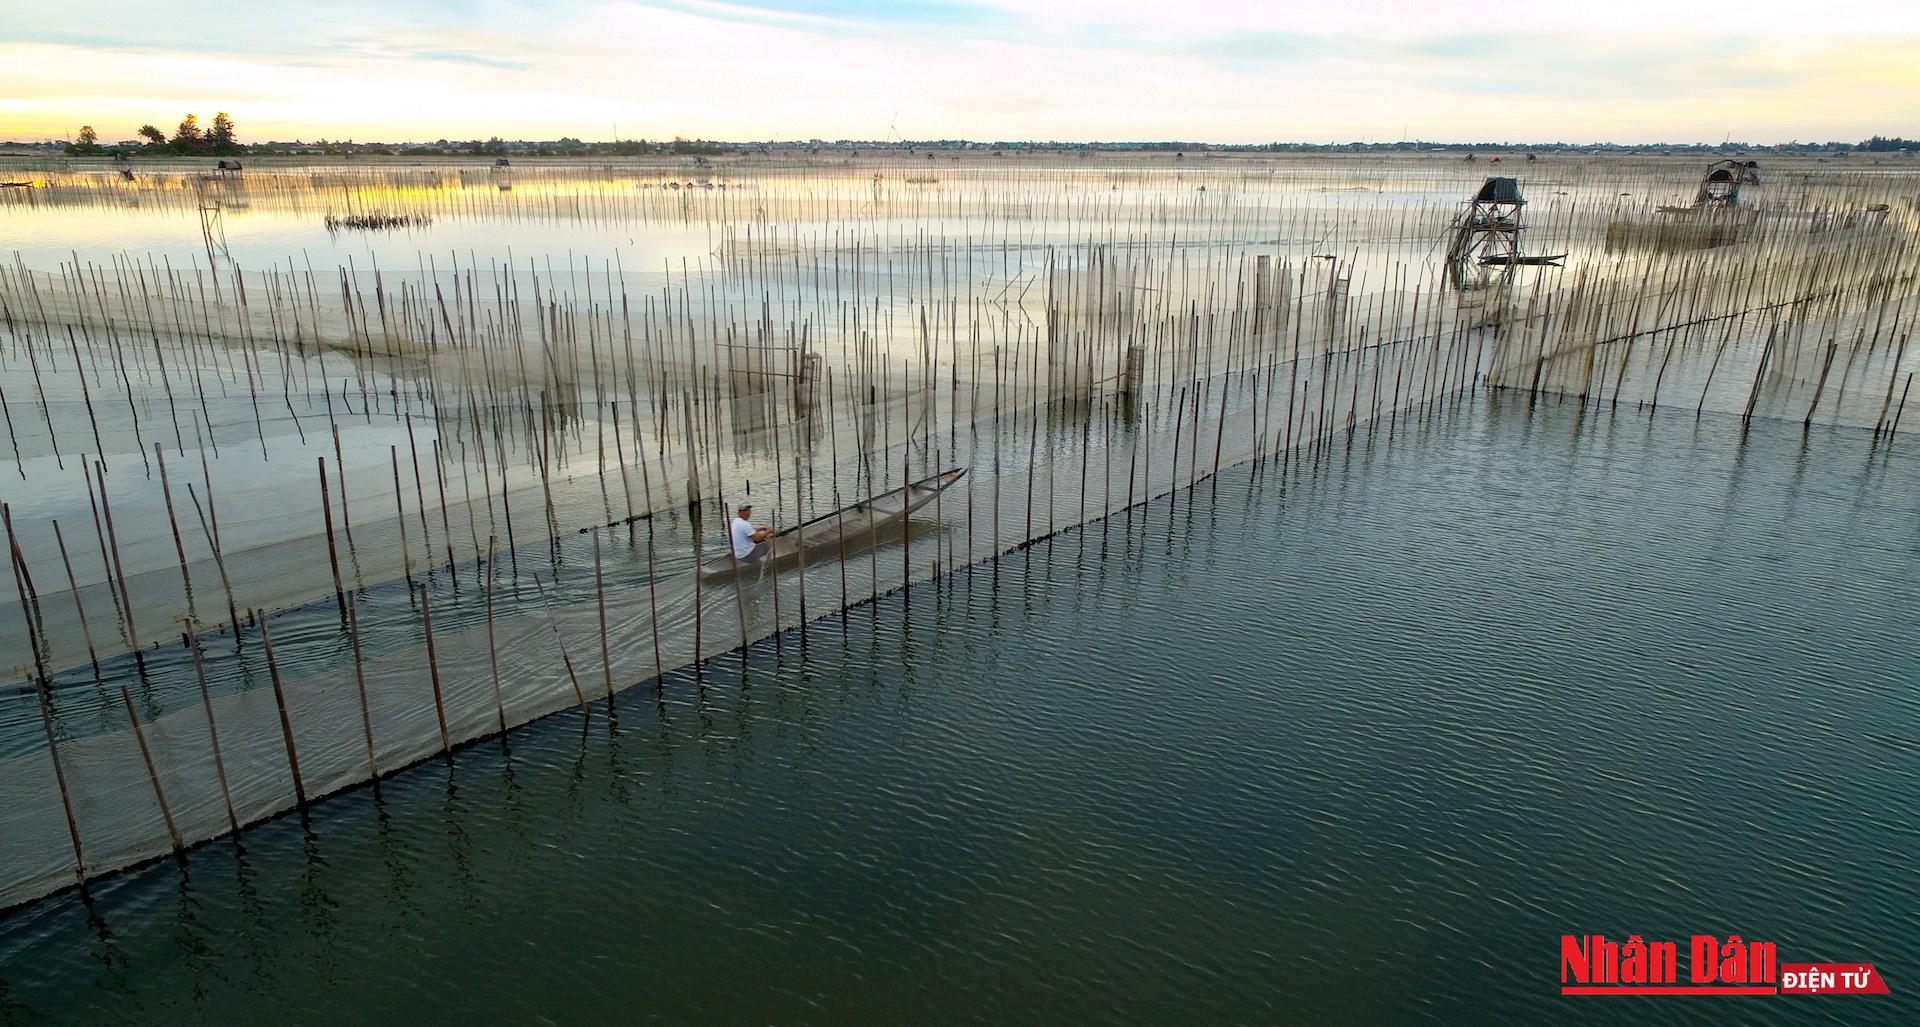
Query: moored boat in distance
(831, 533)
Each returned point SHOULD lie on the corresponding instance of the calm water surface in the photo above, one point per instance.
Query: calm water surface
(1350, 741)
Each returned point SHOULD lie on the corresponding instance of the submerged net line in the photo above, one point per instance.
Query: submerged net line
(748, 191)
(495, 429)
(1016, 188)
(454, 500)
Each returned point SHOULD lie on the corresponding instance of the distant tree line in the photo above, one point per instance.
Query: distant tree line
(494, 147)
(189, 139)
(217, 139)
(1882, 144)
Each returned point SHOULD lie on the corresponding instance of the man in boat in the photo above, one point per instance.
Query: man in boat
(750, 544)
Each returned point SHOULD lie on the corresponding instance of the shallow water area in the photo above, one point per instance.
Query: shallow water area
(1353, 736)
(661, 210)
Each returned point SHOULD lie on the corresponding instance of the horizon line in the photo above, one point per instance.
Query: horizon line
(1900, 143)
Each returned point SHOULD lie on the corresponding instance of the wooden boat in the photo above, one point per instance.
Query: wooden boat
(827, 535)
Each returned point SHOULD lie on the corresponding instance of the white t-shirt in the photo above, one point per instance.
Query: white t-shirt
(742, 538)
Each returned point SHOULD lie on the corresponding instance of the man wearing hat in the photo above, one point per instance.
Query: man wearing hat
(749, 543)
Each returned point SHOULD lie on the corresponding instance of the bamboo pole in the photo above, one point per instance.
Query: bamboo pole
(213, 725)
(280, 700)
(433, 672)
(43, 691)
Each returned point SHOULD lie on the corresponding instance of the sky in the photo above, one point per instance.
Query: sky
(1628, 71)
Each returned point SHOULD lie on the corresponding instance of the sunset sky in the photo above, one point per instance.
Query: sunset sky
(1375, 70)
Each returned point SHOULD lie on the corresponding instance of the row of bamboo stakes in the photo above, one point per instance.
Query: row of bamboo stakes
(743, 191)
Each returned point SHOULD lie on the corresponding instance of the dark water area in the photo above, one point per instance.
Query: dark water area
(1355, 738)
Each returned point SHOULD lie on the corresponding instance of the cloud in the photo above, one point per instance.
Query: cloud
(1073, 69)
(1256, 52)
(841, 15)
(368, 48)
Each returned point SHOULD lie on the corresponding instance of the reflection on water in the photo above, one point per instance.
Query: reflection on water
(1350, 740)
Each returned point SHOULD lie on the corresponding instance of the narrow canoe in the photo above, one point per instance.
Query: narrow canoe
(827, 535)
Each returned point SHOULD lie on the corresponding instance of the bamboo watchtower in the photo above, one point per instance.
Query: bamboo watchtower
(1720, 186)
(1486, 238)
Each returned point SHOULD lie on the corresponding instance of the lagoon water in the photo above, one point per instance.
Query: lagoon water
(1353, 738)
